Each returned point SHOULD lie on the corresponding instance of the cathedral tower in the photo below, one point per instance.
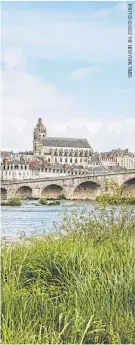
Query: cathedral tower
(38, 135)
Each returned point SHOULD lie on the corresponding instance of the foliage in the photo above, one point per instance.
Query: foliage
(75, 289)
(43, 201)
(116, 199)
(12, 202)
(113, 185)
(30, 198)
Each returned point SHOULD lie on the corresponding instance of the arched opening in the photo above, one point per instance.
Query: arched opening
(128, 187)
(52, 191)
(3, 193)
(24, 191)
(86, 190)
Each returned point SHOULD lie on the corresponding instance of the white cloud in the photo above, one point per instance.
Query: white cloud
(25, 98)
(83, 72)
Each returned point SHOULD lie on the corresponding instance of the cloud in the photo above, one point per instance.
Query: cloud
(83, 72)
(25, 97)
(29, 36)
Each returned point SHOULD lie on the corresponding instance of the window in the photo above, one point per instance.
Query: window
(55, 160)
(65, 160)
(70, 160)
(61, 171)
(21, 166)
(76, 160)
(48, 160)
(16, 166)
(25, 167)
(60, 159)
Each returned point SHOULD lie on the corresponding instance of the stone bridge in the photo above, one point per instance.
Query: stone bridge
(72, 187)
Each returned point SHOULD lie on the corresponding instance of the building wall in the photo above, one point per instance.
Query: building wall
(122, 158)
(66, 155)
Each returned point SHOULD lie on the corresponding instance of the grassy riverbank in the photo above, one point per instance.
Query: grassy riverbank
(77, 289)
(116, 199)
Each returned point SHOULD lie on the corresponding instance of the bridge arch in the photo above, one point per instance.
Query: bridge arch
(52, 191)
(24, 191)
(3, 193)
(128, 187)
(86, 190)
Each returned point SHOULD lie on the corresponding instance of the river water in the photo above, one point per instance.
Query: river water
(30, 219)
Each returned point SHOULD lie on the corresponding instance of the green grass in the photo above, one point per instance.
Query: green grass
(75, 289)
(12, 202)
(116, 199)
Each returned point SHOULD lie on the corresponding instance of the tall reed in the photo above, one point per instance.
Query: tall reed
(74, 287)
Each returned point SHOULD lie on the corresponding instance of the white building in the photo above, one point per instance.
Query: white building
(118, 157)
(59, 150)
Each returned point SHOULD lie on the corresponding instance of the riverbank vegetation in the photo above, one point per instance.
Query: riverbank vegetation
(30, 198)
(116, 196)
(46, 202)
(12, 202)
(74, 287)
(116, 199)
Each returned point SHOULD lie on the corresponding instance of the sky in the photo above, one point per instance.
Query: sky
(67, 63)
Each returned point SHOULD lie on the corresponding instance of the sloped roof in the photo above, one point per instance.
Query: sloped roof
(66, 142)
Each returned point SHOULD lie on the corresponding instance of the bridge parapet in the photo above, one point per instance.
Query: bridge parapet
(67, 183)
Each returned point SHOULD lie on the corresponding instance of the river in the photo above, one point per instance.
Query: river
(29, 219)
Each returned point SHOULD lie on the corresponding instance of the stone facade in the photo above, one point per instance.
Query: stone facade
(60, 150)
(118, 157)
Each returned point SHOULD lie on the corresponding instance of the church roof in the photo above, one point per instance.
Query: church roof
(66, 142)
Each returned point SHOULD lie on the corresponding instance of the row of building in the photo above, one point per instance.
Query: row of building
(61, 156)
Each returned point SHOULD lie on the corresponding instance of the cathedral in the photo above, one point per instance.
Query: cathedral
(59, 150)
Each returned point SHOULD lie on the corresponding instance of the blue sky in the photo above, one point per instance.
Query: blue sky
(67, 63)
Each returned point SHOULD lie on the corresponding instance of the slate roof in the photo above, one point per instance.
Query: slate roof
(15, 162)
(95, 159)
(66, 142)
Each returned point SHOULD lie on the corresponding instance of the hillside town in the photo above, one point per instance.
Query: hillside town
(54, 156)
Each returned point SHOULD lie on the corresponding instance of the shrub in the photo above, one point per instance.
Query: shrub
(116, 199)
(46, 202)
(12, 202)
(43, 201)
